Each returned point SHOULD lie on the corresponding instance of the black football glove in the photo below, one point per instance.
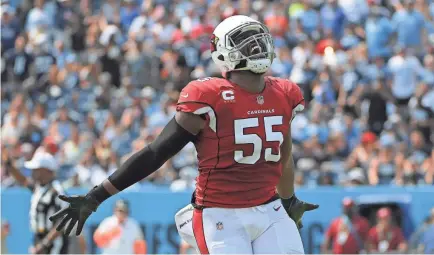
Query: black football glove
(296, 208)
(79, 209)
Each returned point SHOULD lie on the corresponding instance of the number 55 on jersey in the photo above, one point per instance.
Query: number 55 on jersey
(243, 135)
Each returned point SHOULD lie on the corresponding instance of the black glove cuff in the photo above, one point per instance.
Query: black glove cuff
(97, 195)
(288, 201)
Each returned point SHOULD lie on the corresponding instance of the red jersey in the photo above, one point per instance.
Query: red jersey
(239, 149)
(352, 244)
(360, 225)
(388, 240)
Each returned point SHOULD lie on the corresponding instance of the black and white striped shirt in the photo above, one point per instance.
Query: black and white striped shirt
(44, 203)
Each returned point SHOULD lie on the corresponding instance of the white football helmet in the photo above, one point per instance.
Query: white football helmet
(242, 43)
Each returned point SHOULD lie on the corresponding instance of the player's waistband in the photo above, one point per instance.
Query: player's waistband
(201, 207)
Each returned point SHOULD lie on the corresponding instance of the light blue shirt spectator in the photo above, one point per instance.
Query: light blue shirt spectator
(9, 32)
(282, 67)
(349, 80)
(428, 240)
(310, 21)
(127, 15)
(409, 26)
(378, 32)
(355, 10)
(64, 57)
(333, 18)
(406, 71)
(37, 18)
(349, 41)
(431, 9)
(324, 94)
(373, 72)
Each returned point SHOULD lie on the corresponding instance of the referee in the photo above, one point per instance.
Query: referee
(44, 202)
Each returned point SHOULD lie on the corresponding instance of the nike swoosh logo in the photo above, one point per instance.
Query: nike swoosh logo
(277, 208)
(186, 95)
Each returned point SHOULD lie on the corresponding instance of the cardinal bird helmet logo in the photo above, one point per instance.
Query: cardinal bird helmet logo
(214, 41)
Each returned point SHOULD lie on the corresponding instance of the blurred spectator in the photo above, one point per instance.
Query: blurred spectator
(378, 98)
(385, 237)
(5, 229)
(276, 20)
(18, 61)
(361, 155)
(356, 177)
(333, 18)
(128, 13)
(427, 240)
(120, 233)
(382, 169)
(187, 180)
(85, 79)
(110, 10)
(414, 244)
(428, 168)
(9, 26)
(409, 25)
(77, 244)
(378, 34)
(406, 69)
(347, 233)
(38, 17)
(45, 190)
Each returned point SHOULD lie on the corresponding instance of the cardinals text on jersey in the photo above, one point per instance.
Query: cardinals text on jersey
(239, 150)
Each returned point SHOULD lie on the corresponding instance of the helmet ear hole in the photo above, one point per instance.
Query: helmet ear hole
(221, 57)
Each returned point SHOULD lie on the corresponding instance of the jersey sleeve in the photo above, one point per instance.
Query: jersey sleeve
(295, 98)
(198, 98)
(194, 97)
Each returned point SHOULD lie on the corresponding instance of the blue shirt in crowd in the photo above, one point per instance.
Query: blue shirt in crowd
(409, 27)
(310, 21)
(378, 32)
(333, 19)
(127, 16)
(428, 240)
(9, 33)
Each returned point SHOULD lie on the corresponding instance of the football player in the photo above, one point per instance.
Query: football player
(240, 126)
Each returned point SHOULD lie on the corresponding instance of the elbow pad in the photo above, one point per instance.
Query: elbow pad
(148, 160)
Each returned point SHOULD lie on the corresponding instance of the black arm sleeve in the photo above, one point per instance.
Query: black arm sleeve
(148, 160)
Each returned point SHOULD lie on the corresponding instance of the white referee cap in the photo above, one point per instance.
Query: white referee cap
(42, 160)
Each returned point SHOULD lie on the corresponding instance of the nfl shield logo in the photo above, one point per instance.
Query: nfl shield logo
(260, 99)
(219, 226)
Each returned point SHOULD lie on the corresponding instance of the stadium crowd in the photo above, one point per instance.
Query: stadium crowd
(93, 81)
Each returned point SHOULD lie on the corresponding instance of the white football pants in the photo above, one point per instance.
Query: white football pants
(263, 229)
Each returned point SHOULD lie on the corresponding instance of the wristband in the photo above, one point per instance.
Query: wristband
(98, 194)
(286, 202)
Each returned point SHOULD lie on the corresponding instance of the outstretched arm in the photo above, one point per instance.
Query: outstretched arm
(182, 129)
(178, 132)
(17, 175)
